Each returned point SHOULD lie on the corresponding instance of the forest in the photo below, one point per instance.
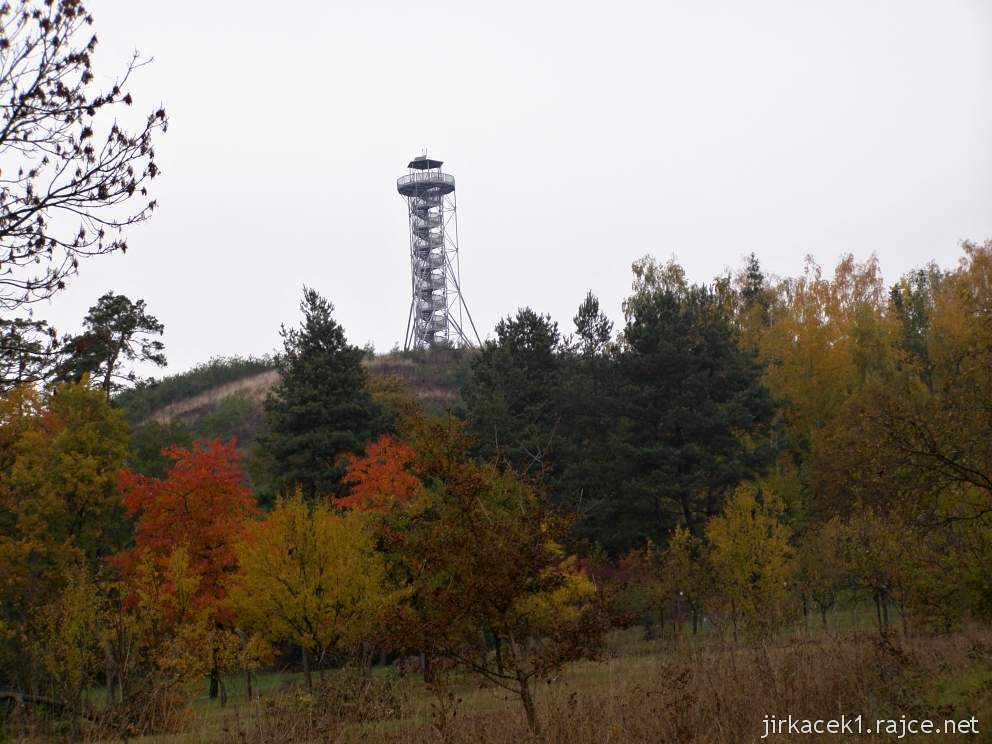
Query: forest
(755, 496)
(744, 465)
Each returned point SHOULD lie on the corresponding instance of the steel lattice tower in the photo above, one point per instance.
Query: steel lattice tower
(437, 308)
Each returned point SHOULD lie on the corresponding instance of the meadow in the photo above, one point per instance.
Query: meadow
(676, 688)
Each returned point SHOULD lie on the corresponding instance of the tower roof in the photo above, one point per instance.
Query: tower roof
(422, 162)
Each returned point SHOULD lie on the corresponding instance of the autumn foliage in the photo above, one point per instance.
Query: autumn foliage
(311, 577)
(200, 506)
(384, 475)
(876, 495)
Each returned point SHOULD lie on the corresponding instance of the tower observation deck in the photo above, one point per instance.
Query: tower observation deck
(438, 313)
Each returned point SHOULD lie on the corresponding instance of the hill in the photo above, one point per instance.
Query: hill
(224, 397)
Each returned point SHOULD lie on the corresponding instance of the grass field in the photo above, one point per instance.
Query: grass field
(701, 689)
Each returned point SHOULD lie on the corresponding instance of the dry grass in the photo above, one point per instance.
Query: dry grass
(709, 694)
(253, 388)
(425, 377)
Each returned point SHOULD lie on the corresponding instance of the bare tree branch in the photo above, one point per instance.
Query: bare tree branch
(67, 187)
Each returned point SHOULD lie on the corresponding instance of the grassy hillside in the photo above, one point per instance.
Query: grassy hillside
(224, 397)
(434, 377)
(142, 403)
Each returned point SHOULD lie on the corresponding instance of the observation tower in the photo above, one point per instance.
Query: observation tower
(438, 313)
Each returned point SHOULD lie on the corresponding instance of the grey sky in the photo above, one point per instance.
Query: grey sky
(582, 135)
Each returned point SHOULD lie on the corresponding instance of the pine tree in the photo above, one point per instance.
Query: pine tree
(117, 330)
(694, 415)
(512, 392)
(588, 407)
(593, 328)
(321, 410)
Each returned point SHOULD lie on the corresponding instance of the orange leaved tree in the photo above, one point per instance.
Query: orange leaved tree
(200, 507)
(384, 475)
(485, 580)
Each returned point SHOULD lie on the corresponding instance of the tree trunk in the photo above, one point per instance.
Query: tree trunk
(368, 653)
(214, 682)
(247, 669)
(806, 615)
(525, 697)
(498, 643)
(878, 613)
(695, 620)
(248, 684)
(108, 378)
(223, 691)
(426, 668)
(108, 656)
(650, 631)
(306, 668)
(823, 617)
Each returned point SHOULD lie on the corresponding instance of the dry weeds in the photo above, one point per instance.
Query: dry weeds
(707, 695)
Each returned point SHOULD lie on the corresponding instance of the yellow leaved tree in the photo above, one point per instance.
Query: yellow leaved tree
(311, 577)
(688, 575)
(751, 560)
(822, 569)
(60, 454)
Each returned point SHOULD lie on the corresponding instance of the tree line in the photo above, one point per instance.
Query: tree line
(386, 536)
(755, 447)
(738, 456)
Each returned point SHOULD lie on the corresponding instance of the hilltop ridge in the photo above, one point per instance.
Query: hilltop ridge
(226, 394)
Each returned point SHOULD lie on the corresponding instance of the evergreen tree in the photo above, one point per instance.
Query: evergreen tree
(752, 284)
(753, 302)
(693, 411)
(592, 327)
(321, 408)
(511, 394)
(29, 352)
(586, 475)
(117, 331)
(546, 406)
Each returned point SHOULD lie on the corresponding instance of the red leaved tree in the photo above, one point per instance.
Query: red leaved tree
(386, 474)
(197, 514)
(201, 505)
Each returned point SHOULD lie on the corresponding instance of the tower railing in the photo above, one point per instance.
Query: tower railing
(425, 178)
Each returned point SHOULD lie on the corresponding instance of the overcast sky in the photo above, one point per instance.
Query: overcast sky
(582, 135)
